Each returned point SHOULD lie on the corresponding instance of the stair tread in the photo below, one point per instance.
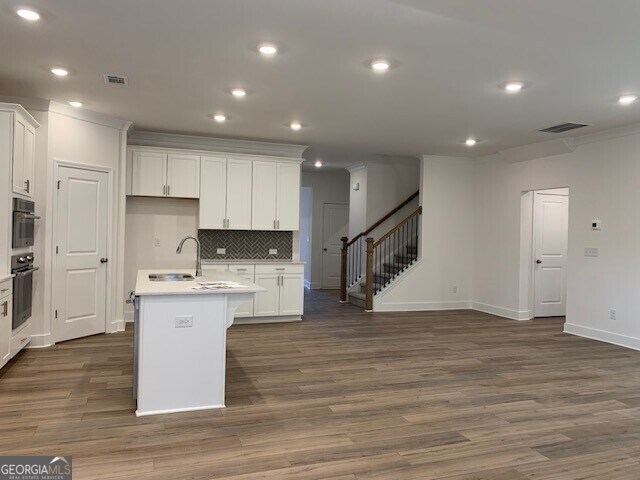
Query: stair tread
(359, 295)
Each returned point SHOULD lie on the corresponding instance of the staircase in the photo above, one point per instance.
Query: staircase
(368, 266)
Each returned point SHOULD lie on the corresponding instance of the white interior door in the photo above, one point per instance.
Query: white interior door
(335, 225)
(80, 274)
(550, 236)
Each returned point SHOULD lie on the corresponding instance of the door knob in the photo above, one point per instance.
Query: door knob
(104, 260)
(538, 261)
(324, 249)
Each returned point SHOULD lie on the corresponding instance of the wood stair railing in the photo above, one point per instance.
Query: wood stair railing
(362, 256)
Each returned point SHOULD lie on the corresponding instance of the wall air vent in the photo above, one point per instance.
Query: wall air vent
(115, 80)
(564, 127)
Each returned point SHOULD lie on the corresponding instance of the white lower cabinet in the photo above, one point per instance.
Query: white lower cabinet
(284, 283)
(6, 309)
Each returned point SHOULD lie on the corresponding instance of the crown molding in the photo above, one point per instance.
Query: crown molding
(89, 116)
(213, 144)
(15, 107)
(357, 167)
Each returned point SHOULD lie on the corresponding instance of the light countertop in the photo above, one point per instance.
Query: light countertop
(232, 261)
(6, 276)
(144, 286)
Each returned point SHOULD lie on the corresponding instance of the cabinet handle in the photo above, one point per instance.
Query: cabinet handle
(278, 224)
(280, 269)
(168, 189)
(5, 308)
(274, 224)
(164, 190)
(4, 290)
(27, 183)
(227, 223)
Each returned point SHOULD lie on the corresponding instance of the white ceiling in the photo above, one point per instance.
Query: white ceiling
(182, 56)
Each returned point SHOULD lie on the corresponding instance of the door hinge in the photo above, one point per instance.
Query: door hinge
(56, 313)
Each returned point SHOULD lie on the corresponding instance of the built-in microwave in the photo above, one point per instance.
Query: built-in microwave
(23, 223)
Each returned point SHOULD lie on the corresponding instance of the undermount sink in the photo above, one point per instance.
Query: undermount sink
(170, 277)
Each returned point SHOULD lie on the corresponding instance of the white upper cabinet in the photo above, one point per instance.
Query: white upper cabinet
(213, 193)
(24, 149)
(288, 197)
(225, 193)
(149, 174)
(239, 178)
(157, 174)
(183, 176)
(264, 215)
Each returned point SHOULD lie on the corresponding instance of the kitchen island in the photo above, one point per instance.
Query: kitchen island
(181, 337)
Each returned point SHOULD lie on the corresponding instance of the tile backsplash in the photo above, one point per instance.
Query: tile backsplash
(245, 244)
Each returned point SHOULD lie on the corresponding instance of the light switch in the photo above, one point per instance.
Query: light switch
(590, 251)
(596, 224)
(273, 251)
(221, 251)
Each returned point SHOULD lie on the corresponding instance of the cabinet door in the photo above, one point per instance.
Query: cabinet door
(239, 194)
(6, 309)
(149, 176)
(288, 198)
(266, 303)
(291, 294)
(183, 176)
(264, 196)
(246, 309)
(213, 193)
(19, 181)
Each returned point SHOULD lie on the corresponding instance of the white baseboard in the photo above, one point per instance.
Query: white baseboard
(177, 410)
(501, 311)
(307, 284)
(41, 341)
(257, 320)
(419, 306)
(117, 326)
(603, 336)
(315, 285)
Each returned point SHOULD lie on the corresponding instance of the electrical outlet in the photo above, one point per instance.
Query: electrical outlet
(612, 314)
(221, 251)
(156, 241)
(591, 251)
(455, 289)
(183, 321)
(273, 251)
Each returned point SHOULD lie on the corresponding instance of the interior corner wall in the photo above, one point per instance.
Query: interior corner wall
(603, 178)
(446, 241)
(331, 186)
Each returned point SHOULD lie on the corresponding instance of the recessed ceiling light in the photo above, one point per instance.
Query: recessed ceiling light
(75, 104)
(238, 92)
(60, 72)
(219, 117)
(627, 99)
(380, 65)
(470, 142)
(318, 163)
(267, 49)
(513, 87)
(28, 14)
(295, 126)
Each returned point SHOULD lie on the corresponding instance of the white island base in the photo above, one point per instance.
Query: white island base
(181, 339)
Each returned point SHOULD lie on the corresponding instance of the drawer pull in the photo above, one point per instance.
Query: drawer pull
(4, 290)
(280, 269)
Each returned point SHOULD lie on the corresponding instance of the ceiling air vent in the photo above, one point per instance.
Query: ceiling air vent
(115, 80)
(564, 127)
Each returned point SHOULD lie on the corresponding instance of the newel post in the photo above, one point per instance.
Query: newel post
(369, 292)
(343, 270)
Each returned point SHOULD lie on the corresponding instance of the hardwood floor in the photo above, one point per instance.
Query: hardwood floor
(346, 395)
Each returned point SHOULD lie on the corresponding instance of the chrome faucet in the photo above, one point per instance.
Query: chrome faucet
(198, 260)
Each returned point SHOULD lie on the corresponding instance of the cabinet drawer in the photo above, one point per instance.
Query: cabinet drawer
(20, 339)
(6, 288)
(243, 270)
(217, 267)
(279, 268)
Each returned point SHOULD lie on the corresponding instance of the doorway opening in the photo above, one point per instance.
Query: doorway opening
(544, 245)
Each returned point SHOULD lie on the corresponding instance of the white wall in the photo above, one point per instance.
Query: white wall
(358, 200)
(306, 231)
(446, 241)
(168, 220)
(604, 182)
(331, 186)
